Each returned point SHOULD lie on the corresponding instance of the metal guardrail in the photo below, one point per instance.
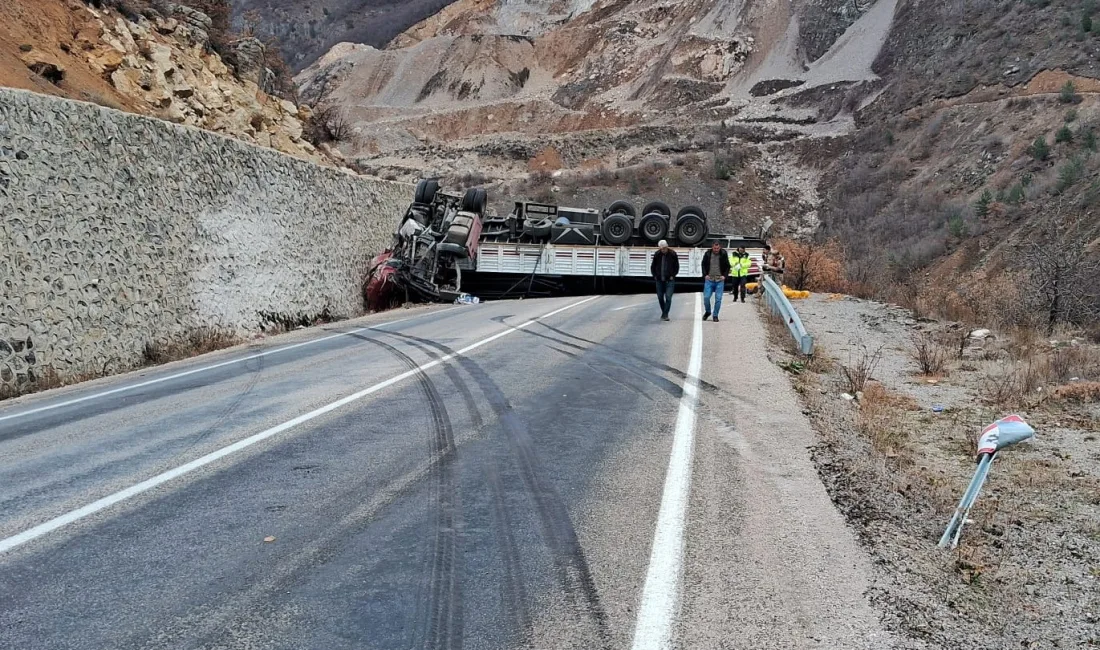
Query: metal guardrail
(1002, 434)
(778, 303)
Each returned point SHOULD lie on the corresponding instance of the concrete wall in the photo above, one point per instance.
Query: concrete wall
(119, 230)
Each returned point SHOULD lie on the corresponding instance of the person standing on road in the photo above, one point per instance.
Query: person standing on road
(716, 266)
(664, 268)
(739, 270)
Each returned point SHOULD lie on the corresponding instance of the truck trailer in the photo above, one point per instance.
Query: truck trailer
(446, 245)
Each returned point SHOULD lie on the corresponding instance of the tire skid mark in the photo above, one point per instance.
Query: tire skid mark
(665, 384)
(680, 374)
(441, 624)
(596, 368)
(514, 591)
(557, 526)
(429, 632)
(228, 410)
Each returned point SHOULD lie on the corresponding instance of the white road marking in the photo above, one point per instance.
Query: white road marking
(194, 371)
(639, 304)
(146, 485)
(661, 593)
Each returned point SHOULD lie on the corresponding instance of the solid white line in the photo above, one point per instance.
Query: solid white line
(639, 304)
(146, 485)
(661, 593)
(150, 382)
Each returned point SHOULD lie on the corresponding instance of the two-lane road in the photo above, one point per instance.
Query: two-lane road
(543, 473)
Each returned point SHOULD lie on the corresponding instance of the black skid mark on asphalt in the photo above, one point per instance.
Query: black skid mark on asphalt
(514, 589)
(459, 383)
(442, 619)
(227, 411)
(557, 526)
(609, 375)
(665, 384)
(705, 385)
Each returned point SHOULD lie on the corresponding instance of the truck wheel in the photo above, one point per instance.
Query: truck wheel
(692, 209)
(622, 207)
(657, 206)
(617, 228)
(474, 200)
(425, 190)
(691, 229)
(654, 226)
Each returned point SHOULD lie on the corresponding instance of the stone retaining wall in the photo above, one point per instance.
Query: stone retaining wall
(121, 230)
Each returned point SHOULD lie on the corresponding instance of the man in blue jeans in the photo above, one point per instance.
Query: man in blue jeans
(716, 266)
(664, 268)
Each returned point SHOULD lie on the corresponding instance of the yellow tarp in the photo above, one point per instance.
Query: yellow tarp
(787, 291)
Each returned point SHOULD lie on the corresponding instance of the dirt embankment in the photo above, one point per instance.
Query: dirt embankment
(898, 457)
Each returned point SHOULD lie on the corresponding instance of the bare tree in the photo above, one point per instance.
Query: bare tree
(329, 124)
(1060, 268)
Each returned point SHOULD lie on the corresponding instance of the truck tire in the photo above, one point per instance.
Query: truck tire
(622, 207)
(474, 200)
(538, 229)
(657, 206)
(692, 209)
(457, 250)
(654, 226)
(617, 228)
(425, 190)
(691, 229)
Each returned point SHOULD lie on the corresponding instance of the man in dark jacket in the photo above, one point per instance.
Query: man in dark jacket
(716, 266)
(665, 268)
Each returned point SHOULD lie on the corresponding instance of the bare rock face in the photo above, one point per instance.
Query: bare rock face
(162, 68)
(196, 22)
(250, 60)
(306, 29)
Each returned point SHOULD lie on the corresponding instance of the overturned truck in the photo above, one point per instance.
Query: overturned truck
(447, 245)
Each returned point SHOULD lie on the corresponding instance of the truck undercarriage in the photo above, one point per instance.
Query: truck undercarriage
(446, 244)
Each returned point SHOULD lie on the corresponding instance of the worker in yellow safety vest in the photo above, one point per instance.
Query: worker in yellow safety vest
(739, 271)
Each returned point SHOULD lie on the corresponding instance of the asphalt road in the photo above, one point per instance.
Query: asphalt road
(544, 473)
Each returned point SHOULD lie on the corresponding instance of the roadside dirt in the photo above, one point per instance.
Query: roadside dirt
(1027, 567)
(53, 31)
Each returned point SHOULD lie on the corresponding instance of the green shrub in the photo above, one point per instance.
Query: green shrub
(1063, 135)
(1016, 194)
(981, 208)
(956, 225)
(1039, 150)
(1069, 94)
(1086, 23)
(1070, 173)
(1071, 115)
(1089, 140)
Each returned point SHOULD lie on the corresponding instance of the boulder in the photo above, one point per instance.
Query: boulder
(88, 38)
(107, 60)
(250, 60)
(197, 23)
(44, 64)
(127, 82)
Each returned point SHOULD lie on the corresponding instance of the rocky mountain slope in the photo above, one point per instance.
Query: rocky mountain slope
(477, 86)
(156, 63)
(306, 29)
(905, 129)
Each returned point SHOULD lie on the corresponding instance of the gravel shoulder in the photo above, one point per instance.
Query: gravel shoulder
(896, 460)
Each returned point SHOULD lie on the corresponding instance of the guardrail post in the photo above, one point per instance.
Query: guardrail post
(997, 436)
